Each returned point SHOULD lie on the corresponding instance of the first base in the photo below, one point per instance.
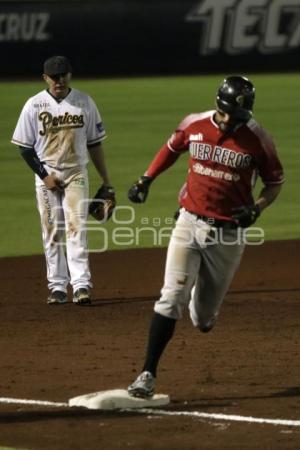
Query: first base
(117, 399)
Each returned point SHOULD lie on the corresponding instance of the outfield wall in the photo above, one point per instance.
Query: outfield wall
(123, 37)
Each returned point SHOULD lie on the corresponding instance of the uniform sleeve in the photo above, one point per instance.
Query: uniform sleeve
(164, 159)
(269, 167)
(24, 134)
(168, 153)
(178, 142)
(95, 129)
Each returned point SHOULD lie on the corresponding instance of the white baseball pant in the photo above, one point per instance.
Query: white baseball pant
(63, 220)
(201, 262)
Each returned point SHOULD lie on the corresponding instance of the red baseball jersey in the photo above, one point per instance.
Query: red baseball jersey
(223, 167)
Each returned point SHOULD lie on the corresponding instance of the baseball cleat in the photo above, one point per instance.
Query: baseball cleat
(82, 297)
(205, 328)
(57, 298)
(143, 386)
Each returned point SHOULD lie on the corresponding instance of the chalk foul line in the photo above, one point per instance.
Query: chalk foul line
(163, 412)
(21, 401)
(226, 417)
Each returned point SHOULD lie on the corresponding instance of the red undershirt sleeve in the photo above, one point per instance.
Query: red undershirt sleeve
(162, 161)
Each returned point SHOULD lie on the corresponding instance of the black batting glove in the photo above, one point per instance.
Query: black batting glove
(246, 215)
(140, 189)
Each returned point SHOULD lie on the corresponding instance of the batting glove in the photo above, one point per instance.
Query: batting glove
(140, 189)
(246, 215)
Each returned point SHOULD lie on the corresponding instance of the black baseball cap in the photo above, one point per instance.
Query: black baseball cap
(56, 65)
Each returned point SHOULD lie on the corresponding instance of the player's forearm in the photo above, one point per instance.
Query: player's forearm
(31, 158)
(97, 157)
(267, 195)
(164, 159)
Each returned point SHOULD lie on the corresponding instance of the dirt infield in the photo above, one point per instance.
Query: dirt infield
(247, 366)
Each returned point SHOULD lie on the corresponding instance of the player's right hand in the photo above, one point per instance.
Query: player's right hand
(53, 183)
(140, 189)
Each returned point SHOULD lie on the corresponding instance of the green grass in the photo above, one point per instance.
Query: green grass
(139, 115)
(10, 448)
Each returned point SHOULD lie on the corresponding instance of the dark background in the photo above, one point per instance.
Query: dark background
(135, 37)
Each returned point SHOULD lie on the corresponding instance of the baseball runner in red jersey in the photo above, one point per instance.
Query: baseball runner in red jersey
(58, 130)
(228, 150)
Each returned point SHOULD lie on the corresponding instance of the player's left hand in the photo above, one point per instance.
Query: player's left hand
(103, 204)
(246, 215)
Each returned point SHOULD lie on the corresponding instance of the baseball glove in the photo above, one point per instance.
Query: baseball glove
(103, 204)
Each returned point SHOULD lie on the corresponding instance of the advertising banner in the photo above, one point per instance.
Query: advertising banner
(132, 37)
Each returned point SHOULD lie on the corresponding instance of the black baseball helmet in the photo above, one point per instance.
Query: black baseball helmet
(235, 96)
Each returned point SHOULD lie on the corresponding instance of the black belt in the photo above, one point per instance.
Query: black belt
(217, 223)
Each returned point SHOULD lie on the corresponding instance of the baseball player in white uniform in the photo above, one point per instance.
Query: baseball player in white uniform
(57, 131)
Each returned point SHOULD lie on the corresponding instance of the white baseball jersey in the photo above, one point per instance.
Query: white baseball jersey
(60, 131)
